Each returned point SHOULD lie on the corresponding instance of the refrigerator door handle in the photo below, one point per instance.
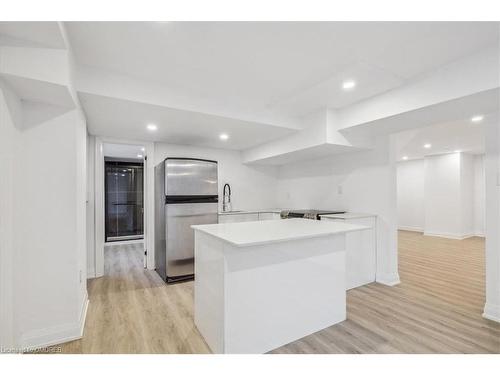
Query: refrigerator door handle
(186, 199)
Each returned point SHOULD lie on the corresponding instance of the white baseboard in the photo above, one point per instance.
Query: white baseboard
(44, 337)
(411, 229)
(83, 313)
(452, 236)
(492, 312)
(388, 279)
(443, 235)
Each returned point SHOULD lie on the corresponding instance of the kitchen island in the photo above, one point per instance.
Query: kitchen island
(262, 284)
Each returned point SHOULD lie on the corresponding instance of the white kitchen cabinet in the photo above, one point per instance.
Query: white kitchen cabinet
(269, 216)
(361, 251)
(238, 218)
(243, 216)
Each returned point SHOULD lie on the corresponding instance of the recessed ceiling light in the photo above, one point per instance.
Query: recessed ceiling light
(477, 118)
(457, 151)
(152, 127)
(224, 137)
(427, 145)
(405, 157)
(139, 155)
(143, 149)
(348, 85)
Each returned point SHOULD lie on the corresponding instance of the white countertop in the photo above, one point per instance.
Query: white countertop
(349, 215)
(243, 212)
(265, 232)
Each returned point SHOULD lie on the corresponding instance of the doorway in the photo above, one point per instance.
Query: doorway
(441, 214)
(124, 186)
(123, 204)
(124, 200)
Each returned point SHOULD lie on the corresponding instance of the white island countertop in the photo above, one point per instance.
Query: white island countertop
(265, 232)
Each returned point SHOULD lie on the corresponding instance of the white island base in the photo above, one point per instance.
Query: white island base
(261, 285)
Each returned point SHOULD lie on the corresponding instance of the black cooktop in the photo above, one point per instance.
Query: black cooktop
(317, 212)
(309, 214)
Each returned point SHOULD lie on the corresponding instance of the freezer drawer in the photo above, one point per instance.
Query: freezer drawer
(180, 235)
(190, 177)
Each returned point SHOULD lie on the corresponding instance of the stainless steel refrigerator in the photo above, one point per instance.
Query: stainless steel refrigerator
(186, 193)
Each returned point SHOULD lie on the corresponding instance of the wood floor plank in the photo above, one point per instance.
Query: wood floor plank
(436, 309)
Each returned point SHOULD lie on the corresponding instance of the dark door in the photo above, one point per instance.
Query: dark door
(124, 201)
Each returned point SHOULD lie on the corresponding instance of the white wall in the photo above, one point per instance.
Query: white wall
(356, 182)
(442, 195)
(8, 137)
(80, 204)
(42, 231)
(410, 181)
(252, 187)
(42, 201)
(50, 241)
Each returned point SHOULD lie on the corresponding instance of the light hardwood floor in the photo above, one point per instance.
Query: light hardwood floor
(436, 308)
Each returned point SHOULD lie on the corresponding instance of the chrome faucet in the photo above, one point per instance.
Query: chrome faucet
(226, 198)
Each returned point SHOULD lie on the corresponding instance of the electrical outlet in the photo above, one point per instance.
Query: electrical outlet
(81, 276)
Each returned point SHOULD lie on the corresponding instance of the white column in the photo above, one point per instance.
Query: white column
(492, 208)
(387, 225)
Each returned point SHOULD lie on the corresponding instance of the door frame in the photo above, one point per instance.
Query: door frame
(100, 201)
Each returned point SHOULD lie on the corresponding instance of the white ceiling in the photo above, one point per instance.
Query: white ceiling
(457, 110)
(39, 34)
(292, 67)
(464, 136)
(225, 71)
(121, 118)
(328, 93)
